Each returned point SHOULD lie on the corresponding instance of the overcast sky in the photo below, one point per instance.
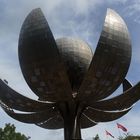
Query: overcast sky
(74, 18)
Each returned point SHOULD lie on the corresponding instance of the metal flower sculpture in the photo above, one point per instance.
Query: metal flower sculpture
(69, 80)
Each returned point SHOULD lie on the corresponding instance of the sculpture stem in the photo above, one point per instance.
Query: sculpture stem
(71, 115)
(72, 128)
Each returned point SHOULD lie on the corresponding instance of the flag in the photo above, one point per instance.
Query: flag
(107, 133)
(121, 127)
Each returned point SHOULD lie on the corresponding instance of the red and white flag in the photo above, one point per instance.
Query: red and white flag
(121, 127)
(108, 133)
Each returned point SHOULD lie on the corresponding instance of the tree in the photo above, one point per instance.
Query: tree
(9, 133)
(96, 137)
(129, 136)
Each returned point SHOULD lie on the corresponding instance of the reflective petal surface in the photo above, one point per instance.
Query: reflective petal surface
(77, 56)
(19, 102)
(126, 85)
(31, 117)
(86, 122)
(102, 116)
(40, 60)
(110, 62)
(120, 102)
(56, 122)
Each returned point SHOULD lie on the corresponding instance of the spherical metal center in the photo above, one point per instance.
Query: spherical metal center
(77, 56)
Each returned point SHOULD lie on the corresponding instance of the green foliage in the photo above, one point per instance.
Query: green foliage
(129, 137)
(132, 138)
(96, 137)
(8, 133)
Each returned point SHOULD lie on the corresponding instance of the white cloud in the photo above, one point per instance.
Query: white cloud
(132, 10)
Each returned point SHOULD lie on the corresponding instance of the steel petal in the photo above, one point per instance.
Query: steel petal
(120, 102)
(110, 62)
(126, 85)
(19, 102)
(86, 122)
(55, 122)
(40, 61)
(30, 117)
(102, 116)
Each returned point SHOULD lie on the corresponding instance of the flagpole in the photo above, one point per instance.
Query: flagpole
(119, 131)
(106, 135)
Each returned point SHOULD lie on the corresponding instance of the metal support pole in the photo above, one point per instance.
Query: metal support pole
(72, 129)
(71, 115)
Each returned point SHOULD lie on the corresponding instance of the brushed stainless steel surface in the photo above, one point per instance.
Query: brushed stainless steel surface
(35, 117)
(55, 122)
(77, 56)
(104, 116)
(126, 85)
(110, 62)
(86, 122)
(19, 102)
(40, 60)
(120, 102)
